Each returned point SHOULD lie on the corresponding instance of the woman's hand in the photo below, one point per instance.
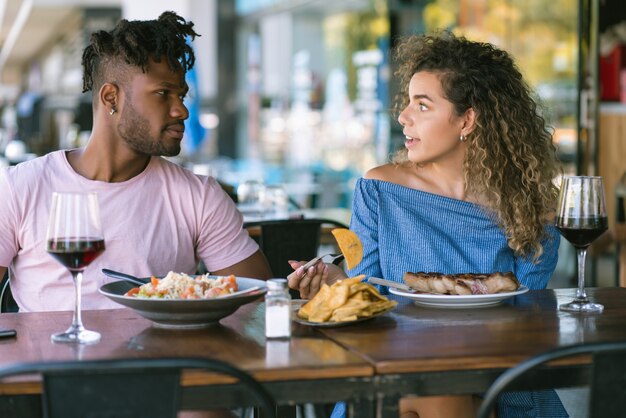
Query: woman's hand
(309, 283)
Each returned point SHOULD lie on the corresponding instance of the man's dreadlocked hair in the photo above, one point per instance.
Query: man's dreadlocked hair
(135, 43)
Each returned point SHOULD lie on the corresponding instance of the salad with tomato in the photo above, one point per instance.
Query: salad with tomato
(184, 286)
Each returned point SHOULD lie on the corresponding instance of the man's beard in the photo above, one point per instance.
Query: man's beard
(135, 131)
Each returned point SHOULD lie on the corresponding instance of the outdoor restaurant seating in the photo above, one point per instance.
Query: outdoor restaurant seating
(607, 380)
(131, 387)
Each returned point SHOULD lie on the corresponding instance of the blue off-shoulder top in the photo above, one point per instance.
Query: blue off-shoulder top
(404, 229)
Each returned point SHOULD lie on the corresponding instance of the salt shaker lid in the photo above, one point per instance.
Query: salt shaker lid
(276, 284)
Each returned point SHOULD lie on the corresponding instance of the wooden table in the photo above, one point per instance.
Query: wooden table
(412, 350)
(341, 215)
(308, 368)
(431, 351)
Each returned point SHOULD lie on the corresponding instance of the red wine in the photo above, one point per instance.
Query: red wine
(581, 232)
(75, 253)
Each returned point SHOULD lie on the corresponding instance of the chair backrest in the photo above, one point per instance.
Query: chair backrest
(126, 387)
(608, 377)
(7, 303)
(290, 239)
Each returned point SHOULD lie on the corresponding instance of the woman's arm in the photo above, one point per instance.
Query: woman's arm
(537, 274)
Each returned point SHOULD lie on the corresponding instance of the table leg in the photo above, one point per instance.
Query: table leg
(388, 406)
(361, 408)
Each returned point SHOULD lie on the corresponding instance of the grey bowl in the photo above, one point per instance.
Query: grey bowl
(184, 313)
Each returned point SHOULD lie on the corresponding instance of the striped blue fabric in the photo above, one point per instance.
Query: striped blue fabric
(420, 231)
(403, 229)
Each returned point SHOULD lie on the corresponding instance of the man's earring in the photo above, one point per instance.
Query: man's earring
(112, 112)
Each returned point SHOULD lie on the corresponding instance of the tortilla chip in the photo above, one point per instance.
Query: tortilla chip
(350, 311)
(351, 281)
(350, 246)
(322, 314)
(314, 304)
(346, 300)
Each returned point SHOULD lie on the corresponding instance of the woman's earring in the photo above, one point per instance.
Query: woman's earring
(462, 138)
(112, 112)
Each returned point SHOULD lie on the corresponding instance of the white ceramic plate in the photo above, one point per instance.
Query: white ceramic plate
(457, 301)
(297, 304)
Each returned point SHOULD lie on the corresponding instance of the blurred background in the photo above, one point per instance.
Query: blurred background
(298, 93)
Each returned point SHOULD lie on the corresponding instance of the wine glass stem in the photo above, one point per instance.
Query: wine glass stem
(77, 322)
(581, 295)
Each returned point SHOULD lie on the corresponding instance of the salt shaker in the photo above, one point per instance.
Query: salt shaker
(277, 309)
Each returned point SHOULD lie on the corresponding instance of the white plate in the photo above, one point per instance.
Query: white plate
(457, 301)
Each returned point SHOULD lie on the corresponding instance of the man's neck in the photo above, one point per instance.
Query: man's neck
(107, 163)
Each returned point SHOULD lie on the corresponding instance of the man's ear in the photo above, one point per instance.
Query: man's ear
(469, 121)
(109, 97)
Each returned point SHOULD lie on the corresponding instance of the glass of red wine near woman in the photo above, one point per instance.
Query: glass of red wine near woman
(75, 239)
(581, 218)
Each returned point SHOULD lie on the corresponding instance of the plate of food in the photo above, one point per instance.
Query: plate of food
(186, 301)
(465, 290)
(333, 324)
(345, 302)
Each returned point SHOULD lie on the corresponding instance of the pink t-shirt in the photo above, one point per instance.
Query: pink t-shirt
(165, 218)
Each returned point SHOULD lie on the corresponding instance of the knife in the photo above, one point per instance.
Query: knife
(389, 283)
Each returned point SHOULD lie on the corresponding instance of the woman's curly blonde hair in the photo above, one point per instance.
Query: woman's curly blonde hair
(511, 161)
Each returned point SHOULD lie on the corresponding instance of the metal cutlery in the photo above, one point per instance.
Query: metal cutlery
(397, 285)
(313, 261)
(389, 283)
(128, 277)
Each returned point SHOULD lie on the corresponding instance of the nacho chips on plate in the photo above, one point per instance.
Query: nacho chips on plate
(346, 300)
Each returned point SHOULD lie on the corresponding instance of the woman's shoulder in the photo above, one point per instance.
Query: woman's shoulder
(392, 173)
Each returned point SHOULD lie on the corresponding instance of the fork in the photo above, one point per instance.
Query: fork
(333, 258)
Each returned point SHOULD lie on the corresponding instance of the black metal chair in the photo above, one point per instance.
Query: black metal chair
(293, 239)
(289, 239)
(7, 303)
(127, 387)
(607, 383)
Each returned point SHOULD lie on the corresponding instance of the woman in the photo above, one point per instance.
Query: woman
(471, 192)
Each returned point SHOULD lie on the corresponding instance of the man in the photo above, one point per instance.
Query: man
(156, 216)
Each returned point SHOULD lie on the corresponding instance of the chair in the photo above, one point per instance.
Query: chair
(230, 190)
(125, 387)
(607, 381)
(289, 239)
(293, 239)
(7, 303)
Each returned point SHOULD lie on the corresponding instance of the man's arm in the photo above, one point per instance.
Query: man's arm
(255, 267)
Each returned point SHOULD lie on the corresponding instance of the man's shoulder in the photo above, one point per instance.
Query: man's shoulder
(178, 174)
(35, 166)
(174, 168)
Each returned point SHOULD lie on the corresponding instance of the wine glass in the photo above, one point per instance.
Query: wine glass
(581, 218)
(251, 197)
(75, 239)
